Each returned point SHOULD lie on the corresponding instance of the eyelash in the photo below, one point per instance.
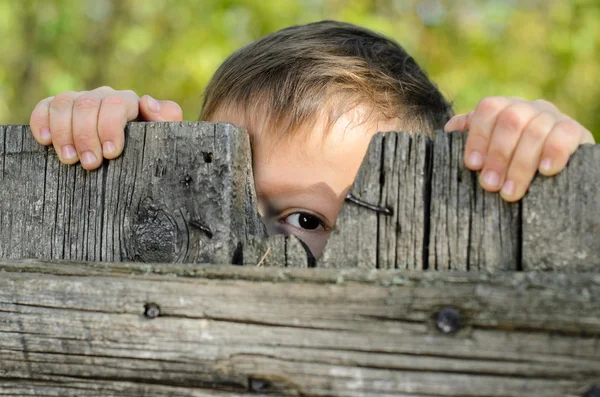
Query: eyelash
(321, 228)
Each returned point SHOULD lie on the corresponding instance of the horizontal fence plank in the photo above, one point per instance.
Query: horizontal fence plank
(139, 329)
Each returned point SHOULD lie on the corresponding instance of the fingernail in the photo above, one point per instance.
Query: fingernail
(88, 158)
(509, 188)
(45, 134)
(69, 153)
(546, 165)
(153, 105)
(491, 179)
(108, 147)
(475, 159)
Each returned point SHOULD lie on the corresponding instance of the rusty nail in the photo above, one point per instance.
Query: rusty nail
(380, 210)
(448, 320)
(151, 310)
(201, 226)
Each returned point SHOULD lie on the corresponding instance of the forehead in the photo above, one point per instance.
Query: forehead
(312, 167)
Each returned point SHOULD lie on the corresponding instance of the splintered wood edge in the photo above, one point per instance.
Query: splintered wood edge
(392, 277)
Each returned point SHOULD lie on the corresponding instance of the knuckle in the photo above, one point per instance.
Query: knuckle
(104, 89)
(556, 150)
(491, 104)
(113, 100)
(86, 102)
(61, 133)
(130, 93)
(498, 158)
(62, 101)
(477, 140)
(539, 128)
(569, 127)
(544, 104)
(535, 133)
(84, 142)
(511, 119)
(521, 169)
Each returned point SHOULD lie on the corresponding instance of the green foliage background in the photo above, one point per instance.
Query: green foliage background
(170, 48)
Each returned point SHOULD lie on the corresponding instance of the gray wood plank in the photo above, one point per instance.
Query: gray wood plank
(561, 217)
(309, 332)
(394, 175)
(353, 241)
(277, 251)
(442, 219)
(470, 229)
(166, 197)
(182, 192)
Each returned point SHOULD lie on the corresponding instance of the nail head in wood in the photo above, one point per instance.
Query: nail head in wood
(186, 180)
(151, 310)
(448, 320)
(257, 385)
(208, 157)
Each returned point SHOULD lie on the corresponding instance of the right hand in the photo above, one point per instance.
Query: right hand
(89, 125)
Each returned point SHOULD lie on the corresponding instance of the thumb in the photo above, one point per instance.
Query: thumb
(155, 110)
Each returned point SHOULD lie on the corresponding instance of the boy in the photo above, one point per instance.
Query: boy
(311, 98)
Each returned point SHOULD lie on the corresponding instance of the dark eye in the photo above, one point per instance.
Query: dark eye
(304, 221)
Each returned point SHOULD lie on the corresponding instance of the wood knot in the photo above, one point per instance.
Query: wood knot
(151, 310)
(155, 234)
(448, 320)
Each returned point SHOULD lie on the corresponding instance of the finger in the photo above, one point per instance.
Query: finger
(504, 138)
(526, 158)
(85, 129)
(456, 123)
(40, 122)
(115, 111)
(481, 127)
(563, 140)
(155, 110)
(60, 115)
(459, 122)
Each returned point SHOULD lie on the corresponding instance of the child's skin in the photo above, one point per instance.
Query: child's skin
(304, 182)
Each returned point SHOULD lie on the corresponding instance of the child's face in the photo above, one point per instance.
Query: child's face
(301, 184)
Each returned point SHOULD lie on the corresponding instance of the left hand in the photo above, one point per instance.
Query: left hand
(510, 139)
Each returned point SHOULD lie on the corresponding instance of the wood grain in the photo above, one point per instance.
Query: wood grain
(182, 192)
(471, 229)
(79, 329)
(561, 217)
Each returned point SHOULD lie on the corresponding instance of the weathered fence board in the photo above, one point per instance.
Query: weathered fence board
(442, 219)
(561, 217)
(164, 198)
(80, 329)
(471, 229)
(182, 193)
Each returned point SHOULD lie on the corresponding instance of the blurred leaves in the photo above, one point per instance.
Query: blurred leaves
(170, 48)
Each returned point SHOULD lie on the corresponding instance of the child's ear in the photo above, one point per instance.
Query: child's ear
(156, 110)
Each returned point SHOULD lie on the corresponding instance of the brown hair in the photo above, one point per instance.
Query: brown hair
(291, 75)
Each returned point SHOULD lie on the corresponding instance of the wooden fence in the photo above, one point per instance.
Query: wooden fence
(429, 286)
